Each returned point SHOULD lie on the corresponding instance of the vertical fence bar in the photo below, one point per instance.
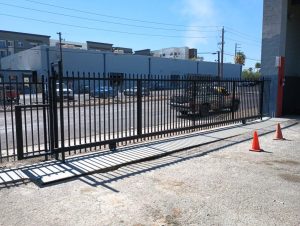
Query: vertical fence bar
(261, 98)
(45, 119)
(51, 115)
(68, 107)
(79, 108)
(90, 109)
(74, 109)
(233, 101)
(84, 112)
(139, 107)
(54, 103)
(61, 110)
(19, 132)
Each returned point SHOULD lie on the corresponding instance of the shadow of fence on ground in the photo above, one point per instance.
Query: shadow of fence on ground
(114, 172)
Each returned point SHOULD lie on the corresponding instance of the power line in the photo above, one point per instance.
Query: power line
(109, 16)
(103, 21)
(100, 29)
(86, 51)
(242, 34)
(249, 39)
(246, 43)
(247, 58)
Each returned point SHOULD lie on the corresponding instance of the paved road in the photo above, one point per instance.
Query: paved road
(114, 120)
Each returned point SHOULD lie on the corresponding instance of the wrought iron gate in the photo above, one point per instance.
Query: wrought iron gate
(75, 112)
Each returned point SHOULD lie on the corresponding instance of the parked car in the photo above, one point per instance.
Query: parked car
(133, 91)
(8, 94)
(67, 92)
(85, 89)
(204, 99)
(104, 92)
(158, 86)
(248, 83)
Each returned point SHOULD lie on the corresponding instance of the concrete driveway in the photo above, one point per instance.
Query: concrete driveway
(217, 184)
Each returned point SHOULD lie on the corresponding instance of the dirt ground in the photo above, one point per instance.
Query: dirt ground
(217, 184)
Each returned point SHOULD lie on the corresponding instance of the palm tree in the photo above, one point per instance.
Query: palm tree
(257, 66)
(240, 58)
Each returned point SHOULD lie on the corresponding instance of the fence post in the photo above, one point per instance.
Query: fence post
(45, 118)
(19, 132)
(139, 107)
(61, 109)
(233, 101)
(194, 102)
(261, 98)
(53, 112)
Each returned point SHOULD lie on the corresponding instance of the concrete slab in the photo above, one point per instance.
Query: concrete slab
(53, 171)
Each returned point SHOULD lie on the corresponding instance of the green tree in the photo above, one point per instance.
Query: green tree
(240, 58)
(257, 66)
(250, 75)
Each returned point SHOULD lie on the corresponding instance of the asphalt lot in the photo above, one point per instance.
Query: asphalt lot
(217, 184)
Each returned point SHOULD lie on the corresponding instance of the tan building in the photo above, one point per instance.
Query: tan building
(13, 42)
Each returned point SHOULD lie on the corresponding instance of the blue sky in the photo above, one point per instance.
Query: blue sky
(141, 24)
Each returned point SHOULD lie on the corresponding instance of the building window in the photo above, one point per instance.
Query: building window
(13, 77)
(10, 52)
(20, 44)
(33, 44)
(10, 43)
(3, 53)
(2, 43)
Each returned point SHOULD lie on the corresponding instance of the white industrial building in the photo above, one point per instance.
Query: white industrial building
(173, 52)
(77, 60)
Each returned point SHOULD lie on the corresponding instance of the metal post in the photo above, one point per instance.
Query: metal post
(45, 119)
(60, 48)
(218, 52)
(194, 102)
(222, 53)
(104, 63)
(19, 132)
(262, 98)
(53, 122)
(61, 109)
(139, 107)
(233, 101)
(149, 67)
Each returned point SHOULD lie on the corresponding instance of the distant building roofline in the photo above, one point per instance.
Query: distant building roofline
(102, 43)
(22, 33)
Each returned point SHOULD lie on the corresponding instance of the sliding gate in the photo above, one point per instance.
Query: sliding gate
(82, 112)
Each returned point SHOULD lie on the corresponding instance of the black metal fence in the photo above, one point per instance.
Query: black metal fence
(82, 112)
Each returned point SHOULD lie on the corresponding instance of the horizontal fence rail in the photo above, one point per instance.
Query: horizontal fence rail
(92, 111)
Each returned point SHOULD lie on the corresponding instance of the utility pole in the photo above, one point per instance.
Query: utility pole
(222, 53)
(60, 50)
(218, 52)
(236, 49)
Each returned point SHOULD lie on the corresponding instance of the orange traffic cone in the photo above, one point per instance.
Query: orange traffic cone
(278, 133)
(255, 143)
